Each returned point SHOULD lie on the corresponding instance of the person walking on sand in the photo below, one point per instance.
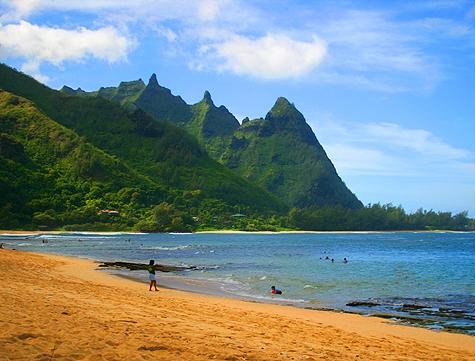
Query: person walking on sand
(151, 274)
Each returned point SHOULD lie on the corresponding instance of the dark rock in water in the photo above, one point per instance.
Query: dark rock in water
(362, 303)
(410, 306)
(141, 266)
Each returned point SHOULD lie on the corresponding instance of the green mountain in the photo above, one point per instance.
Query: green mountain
(52, 176)
(125, 94)
(73, 92)
(125, 150)
(161, 104)
(212, 126)
(282, 154)
(152, 98)
(279, 153)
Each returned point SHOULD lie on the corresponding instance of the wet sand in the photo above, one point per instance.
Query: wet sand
(59, 308)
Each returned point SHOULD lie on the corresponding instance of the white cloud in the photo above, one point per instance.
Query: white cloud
(381, 50)
(32, 67)
(371, 49)
(136, 10)
(384, 149)
(418, 140)
(379, 83)
(208, 10)
(386, 162)
(374, 41)
(357, 159)
(19, 9)
(167, 33)
(37, 44)
(273, 56)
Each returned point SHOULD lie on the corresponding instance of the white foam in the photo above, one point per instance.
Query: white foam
(164, 248)
(106, 233)
(66, 236)
(17, 235)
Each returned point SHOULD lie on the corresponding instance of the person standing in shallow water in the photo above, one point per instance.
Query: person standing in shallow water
(151, 275)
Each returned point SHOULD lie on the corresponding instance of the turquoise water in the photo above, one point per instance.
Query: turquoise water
(426, 278)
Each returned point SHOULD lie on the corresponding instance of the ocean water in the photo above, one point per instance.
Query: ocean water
(425, 279)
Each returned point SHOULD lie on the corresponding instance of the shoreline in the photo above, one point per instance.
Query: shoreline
(216, 286)
(224, 231)
(200, 287)
(211, 288)
(100, 309)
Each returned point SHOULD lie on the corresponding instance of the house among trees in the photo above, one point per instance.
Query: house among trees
(109, 211)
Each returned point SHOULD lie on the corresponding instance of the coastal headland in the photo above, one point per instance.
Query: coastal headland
(60, 308)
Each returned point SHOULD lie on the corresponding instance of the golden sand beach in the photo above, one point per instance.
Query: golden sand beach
(58, 308)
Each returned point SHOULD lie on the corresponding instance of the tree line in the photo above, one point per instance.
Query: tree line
(377, 217)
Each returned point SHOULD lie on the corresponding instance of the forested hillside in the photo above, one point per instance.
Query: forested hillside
(164, 162)
(279, 153)
(135, 157)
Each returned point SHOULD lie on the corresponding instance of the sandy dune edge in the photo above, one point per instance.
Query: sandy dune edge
(58, 308)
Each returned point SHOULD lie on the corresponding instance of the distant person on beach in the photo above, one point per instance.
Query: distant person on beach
(275, 291)
(151, 274)
(2, 245)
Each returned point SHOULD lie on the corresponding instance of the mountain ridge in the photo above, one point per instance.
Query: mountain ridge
(162, 155)
(279, 152)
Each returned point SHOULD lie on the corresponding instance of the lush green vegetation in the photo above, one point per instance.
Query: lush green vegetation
(212, 126)
(263, 151)
(76, 161)
(161, 104)
(377, 217)
(66, 158)
(282, 154)
(50, 176)
(126, 94)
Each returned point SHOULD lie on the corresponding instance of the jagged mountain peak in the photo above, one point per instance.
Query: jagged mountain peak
(70, 91)
(207, 98)
(153, 86)
(161, 104)
(153, 80)
(282, 101)
(280, 153)
(283, 110)
(67, 90)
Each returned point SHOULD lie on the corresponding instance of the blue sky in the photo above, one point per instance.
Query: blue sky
(387, 86)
